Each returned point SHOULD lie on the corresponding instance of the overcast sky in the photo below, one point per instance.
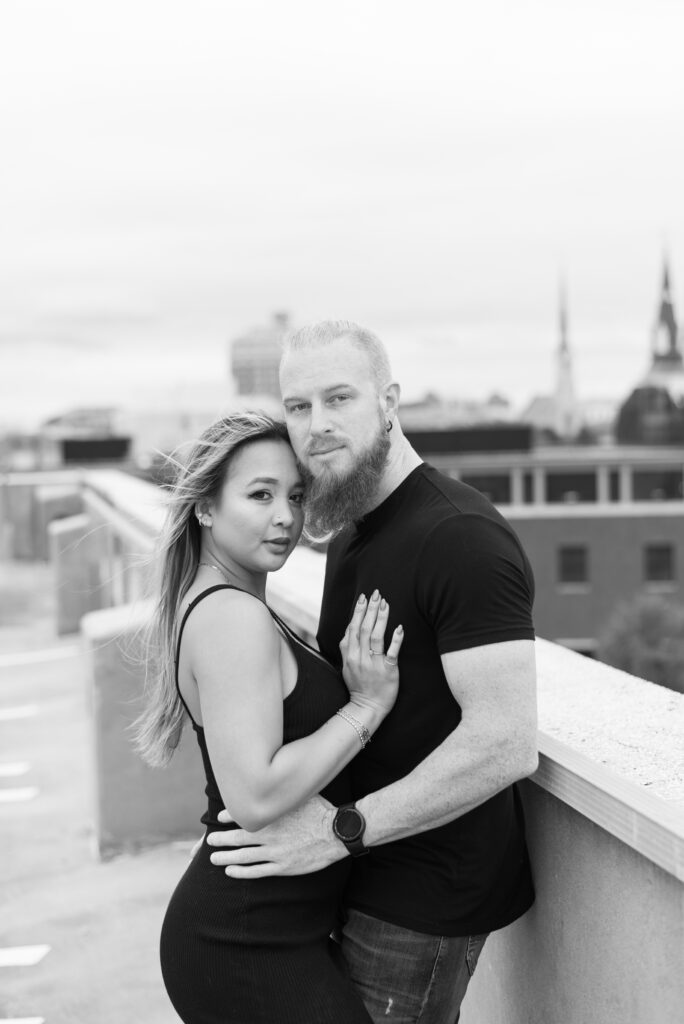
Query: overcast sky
(172, 173)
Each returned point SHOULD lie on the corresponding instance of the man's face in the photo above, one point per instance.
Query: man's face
(332, 409)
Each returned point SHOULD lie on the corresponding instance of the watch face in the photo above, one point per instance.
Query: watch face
(349, 824)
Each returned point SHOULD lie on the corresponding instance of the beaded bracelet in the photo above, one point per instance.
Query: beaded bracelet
(361, 729)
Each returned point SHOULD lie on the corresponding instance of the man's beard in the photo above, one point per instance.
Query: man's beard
(334, 500)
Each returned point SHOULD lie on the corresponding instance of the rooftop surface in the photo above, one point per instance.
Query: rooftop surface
(100, 921)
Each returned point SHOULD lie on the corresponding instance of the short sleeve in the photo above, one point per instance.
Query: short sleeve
(474, 584)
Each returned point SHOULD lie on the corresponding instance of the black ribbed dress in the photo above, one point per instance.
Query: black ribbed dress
(257, 951)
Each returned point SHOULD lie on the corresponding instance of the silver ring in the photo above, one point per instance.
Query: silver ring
(376, 654)
(391, 661)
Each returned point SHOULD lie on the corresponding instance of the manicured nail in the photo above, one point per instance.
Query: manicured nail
(383, 605)
(362, 599)
(400, 629)
(376, 595)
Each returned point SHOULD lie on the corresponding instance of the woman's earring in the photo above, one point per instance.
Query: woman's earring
(389, 426)
(203, 520)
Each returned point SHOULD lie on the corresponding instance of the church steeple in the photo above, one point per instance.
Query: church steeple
(567, 416)
(665, 347)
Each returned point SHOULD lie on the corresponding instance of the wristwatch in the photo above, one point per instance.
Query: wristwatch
(349, 825)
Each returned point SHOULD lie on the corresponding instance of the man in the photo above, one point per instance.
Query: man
(437, 812)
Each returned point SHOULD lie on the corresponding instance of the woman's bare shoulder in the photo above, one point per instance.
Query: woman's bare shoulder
(228, 615)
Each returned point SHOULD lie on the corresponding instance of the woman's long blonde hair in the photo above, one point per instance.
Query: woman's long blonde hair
(200, 477)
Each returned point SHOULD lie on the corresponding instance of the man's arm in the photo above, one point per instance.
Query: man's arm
(494, 745)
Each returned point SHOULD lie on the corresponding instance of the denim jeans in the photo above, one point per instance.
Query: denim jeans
(407, 977)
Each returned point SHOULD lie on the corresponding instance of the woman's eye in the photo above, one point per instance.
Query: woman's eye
(260, 495)
(298, 499)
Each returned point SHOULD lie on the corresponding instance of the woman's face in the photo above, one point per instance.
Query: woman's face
(258, 516)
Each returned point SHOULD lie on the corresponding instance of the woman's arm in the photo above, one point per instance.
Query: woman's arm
(234, 654)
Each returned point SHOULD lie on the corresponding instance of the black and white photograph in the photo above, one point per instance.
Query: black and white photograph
(341, 512)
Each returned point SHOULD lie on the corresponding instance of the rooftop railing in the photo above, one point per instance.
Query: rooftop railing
(604, 941)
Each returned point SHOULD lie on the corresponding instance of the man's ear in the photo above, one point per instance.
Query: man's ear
(390, 399)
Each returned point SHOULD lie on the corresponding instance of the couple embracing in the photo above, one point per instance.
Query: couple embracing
(364, 791)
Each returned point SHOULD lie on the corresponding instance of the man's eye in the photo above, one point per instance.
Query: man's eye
(339, 398)
(297, 407)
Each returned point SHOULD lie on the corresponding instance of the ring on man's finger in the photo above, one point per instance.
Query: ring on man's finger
(376, 654)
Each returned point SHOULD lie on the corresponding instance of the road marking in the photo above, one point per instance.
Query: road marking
(15, 796)
(22, 1020)
(11, 770)
(34, 657)
(18, 711)
(22, 956)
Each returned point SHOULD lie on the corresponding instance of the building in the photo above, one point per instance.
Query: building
(255, 357)
(654, 412)
(600, 524)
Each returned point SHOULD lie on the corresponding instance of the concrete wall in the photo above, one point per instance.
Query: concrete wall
(135, 805)
(50, 504)
(28, 502)
(74, 552)
(603, 943)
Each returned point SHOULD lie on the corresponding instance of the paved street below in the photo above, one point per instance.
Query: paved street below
(100, 920)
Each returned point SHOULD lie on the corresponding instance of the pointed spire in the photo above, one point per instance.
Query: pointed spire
(666, 322)
(563, 318)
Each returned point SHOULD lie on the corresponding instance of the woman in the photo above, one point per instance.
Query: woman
(274, 722)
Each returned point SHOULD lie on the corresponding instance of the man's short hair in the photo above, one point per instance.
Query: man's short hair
(323, 332)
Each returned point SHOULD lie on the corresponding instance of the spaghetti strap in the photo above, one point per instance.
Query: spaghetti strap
(297, 637)
(193, 604)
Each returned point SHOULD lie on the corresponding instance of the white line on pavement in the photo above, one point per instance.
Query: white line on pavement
(11, 770)
(33, 657)
(22, 1020)
(18, 711)
(22, 956)
(15, 796)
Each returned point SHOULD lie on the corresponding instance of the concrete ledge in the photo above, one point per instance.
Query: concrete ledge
(135, 805)
(52, 503)
(604, 941)
(20, 524)
(74, 552)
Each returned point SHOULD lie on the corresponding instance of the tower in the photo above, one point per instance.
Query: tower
(666, 354)
(567, 419)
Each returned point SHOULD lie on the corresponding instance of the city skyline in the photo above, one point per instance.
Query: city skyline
(179, 172)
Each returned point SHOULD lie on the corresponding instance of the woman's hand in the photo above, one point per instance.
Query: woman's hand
(370, 672)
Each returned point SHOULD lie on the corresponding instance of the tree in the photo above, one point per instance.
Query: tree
(646, 637)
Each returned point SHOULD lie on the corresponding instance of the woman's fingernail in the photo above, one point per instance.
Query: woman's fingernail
(362, 599)
(383, 604)
(376, 595)
(400, 629)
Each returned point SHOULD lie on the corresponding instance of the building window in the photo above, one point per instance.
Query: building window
(573, 564)
(496, 487)
(658, 485)
(570, 487)
(659, 563)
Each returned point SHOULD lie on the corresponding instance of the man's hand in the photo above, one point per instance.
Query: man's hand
(296, 844)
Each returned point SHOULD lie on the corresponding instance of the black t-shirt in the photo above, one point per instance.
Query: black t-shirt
(456, 577)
